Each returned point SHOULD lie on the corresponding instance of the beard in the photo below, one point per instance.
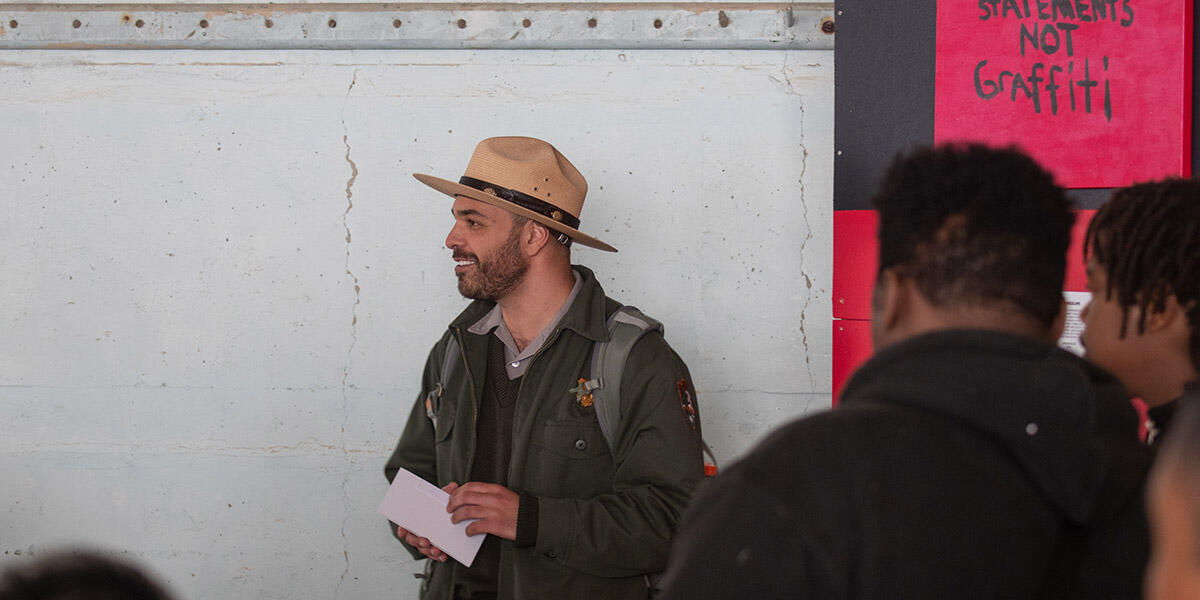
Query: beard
(493, 278)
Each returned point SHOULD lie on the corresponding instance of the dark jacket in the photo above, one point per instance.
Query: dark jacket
(1161, 416)
(964, 464)
(1160, 421)
(605, 518)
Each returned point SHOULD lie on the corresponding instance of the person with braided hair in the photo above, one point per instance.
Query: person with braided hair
(1143, 265)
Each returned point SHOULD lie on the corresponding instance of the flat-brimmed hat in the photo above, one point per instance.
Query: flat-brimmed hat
(527, 177)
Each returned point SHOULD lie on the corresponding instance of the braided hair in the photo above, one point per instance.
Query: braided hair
(1147, 238)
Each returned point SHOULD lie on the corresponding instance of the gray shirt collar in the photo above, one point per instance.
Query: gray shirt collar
(516, 361)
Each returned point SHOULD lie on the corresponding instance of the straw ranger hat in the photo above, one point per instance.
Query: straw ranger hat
(527, 177)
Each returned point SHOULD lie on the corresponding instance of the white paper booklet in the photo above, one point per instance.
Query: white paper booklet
(420, 507)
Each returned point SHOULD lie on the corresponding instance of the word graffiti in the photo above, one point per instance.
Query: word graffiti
(1031, 85)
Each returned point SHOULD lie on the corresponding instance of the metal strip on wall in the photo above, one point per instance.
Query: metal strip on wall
(748, 26)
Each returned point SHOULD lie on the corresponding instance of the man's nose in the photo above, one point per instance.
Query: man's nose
(453, 240)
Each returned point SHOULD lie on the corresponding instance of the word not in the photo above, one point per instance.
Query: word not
(1050, 40)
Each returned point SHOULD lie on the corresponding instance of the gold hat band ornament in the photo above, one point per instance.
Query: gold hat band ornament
(527, 177)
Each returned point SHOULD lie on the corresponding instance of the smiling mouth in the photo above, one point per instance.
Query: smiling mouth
(461, 264)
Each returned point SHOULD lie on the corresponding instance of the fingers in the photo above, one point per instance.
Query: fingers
(434, 553)
(470, 511)
(428, 549)
(416, 541)
(493, 507)
(450, 487)
(482, 520)
(477, 528)
(421, 544)
(473, 493)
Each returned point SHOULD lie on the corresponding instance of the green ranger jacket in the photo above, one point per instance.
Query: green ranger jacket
(605, 517)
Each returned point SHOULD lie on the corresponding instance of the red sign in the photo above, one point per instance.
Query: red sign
(1098, 91)
(855, 260)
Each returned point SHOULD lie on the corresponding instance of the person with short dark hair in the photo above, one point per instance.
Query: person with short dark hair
(969, 457)
(1143, 265)
(1173, 498)
(78, 575)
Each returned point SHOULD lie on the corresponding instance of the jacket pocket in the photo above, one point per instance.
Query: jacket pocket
(573, 440)
(568, 459)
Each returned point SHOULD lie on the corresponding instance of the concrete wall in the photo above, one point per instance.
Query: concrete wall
(220, 280)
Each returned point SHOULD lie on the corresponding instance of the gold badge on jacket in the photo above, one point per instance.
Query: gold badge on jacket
(583, 393)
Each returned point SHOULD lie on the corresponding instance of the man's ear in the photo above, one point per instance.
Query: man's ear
(891, 300)
(534, 238)
(1060, 322)
(1171, 317)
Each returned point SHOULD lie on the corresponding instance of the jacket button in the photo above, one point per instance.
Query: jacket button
(581, 444)
(551, 554)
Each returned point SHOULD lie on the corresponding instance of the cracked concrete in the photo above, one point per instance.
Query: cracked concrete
(272, 399)
(346, 502)
(808, 233)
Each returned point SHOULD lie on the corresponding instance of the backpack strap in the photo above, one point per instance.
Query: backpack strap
(434, 399)
(448, 363)
(626, 326)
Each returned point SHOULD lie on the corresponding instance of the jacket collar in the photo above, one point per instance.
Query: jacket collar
(585, 316)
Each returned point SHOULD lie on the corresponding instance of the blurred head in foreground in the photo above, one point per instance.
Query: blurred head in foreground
(1173, 501)
(81, 575)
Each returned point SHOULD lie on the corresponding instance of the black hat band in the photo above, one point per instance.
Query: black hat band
(523, 200)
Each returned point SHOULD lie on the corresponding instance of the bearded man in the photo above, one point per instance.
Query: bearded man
(573, 506)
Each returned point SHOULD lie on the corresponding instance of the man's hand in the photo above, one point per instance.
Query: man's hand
(423, 544)
(495, 507)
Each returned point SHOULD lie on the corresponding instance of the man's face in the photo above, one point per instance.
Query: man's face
(487, 249)
(1102, 340)
(1174, 570)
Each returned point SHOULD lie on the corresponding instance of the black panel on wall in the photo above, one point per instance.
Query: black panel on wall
(883, 94)
(883, 90)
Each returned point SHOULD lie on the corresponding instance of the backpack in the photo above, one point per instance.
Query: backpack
(626, 326)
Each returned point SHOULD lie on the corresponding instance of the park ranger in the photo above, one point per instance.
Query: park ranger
(557, 419)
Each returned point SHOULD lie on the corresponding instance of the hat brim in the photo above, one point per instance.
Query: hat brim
(452, 189)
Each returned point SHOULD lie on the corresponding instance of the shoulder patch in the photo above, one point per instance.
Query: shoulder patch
(686, 403)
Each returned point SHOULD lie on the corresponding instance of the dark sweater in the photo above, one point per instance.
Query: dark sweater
(492, 451)
(964, 464)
